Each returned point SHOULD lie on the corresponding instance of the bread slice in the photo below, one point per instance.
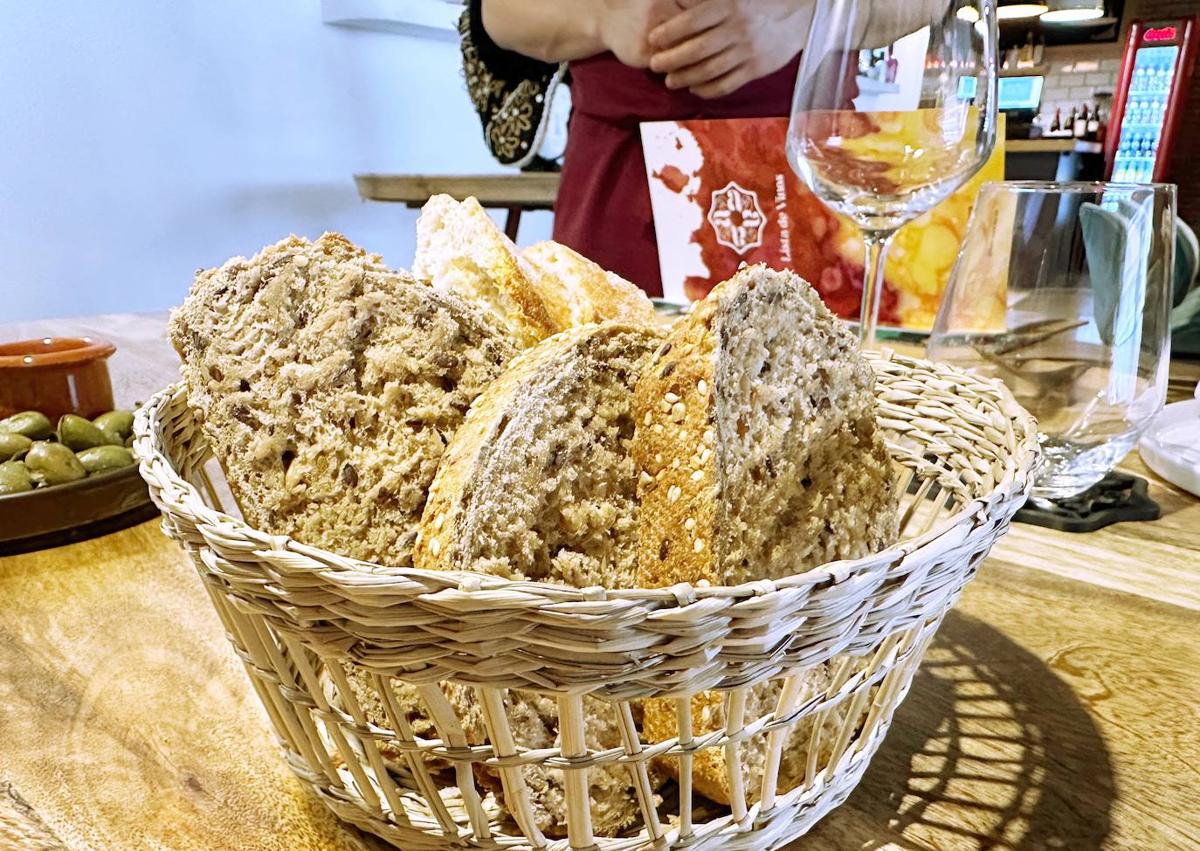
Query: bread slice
(758, 440)
(329, 386)
(710, 776)
(758, 458)
(592, 294)
(459, 248)
(533, 720)
(538, 483)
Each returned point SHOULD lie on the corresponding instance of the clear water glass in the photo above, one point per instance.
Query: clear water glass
(1063, 291)
(894, 109)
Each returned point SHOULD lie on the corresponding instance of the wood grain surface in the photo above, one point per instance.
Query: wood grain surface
(126, 722)
(532, 190)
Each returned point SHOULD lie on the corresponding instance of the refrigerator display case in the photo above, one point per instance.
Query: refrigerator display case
(1147, 107)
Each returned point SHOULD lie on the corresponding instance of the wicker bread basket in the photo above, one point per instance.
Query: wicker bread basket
(297, 616)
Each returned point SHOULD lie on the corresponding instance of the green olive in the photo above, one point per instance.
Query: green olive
(13, 444)
(101, 458)
(14, 478)
(53, 463)
(77, 433)
(33, 424)
(118, 422)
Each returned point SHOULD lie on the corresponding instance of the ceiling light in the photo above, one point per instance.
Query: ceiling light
(1016, 11)
(1072, 11)
(967, 13)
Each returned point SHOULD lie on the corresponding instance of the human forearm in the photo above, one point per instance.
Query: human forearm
(889, 20)
(557, 31)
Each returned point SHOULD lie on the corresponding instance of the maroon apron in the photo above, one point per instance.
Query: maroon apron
(603, 205)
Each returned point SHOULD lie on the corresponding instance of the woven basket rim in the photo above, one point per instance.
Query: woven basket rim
(153, 464)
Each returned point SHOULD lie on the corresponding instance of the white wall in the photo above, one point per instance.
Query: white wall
(141, 140)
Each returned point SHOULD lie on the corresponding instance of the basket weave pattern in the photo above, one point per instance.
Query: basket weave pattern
(295, 614)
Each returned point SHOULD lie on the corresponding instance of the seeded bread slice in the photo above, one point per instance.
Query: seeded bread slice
(592, 294)
(329, 386)
(539, 484)
(459, 248)
(757, 440)
(758, 457)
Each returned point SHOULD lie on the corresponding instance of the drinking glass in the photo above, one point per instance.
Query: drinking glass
(894, 109)
(1063, 291)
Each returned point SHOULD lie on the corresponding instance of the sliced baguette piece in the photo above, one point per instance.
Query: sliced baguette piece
(328, 387)
(758, 458)
(538, 483)
(593, 294)
(460, 249)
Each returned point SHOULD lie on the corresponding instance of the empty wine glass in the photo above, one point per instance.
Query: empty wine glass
(894, 109)
(1063, 291)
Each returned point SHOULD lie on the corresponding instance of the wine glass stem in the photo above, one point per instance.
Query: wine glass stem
(877, 245)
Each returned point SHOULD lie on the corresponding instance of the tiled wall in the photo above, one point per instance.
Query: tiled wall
(1079, 74)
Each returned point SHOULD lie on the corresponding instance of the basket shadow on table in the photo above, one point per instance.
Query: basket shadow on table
(989, 750)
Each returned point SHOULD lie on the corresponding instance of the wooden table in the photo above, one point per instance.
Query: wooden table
(515, 192)
(1058, 707)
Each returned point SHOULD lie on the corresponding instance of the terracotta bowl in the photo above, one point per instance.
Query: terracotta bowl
(56, 375)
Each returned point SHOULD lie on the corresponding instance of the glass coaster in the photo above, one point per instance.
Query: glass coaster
(1114, 499)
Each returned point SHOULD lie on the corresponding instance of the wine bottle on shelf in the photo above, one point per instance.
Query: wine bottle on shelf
(1056, 122)
(1093, 123)
(1079, 125)
(1039, 51)
(1025, 55)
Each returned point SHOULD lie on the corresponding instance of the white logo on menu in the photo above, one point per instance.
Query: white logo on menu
(736, 218)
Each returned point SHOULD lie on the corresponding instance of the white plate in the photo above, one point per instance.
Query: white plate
(1171, 447)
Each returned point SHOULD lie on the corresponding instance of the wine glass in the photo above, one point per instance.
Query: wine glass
(1063, 292)
(894, 109)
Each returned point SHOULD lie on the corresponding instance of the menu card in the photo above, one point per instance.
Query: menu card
(723, 193)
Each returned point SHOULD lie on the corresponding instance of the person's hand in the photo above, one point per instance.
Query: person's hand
(715, 47)
(625, 27)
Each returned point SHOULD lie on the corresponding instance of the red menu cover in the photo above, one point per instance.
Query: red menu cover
(723, 194)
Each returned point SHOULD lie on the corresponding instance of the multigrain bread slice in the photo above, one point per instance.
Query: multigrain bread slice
(459, 248)
(758, 457)
(592, 294)
(757, 440)
(539, 483)
(328, 386)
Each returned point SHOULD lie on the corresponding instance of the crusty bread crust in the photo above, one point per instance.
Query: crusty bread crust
(593, 294)
(459, 248)
(673, 450)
